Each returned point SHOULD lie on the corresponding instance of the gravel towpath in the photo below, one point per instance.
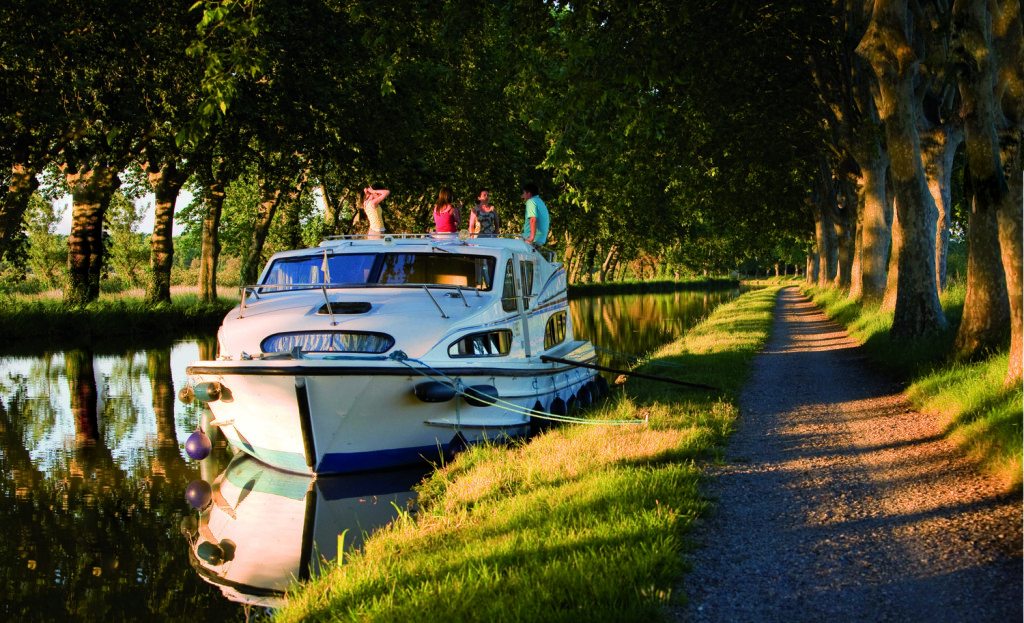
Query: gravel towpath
(838, 502)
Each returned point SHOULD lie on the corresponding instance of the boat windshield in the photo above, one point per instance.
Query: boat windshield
(320, 269)
(414, 269)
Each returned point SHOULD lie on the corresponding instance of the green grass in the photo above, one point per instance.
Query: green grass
(28, 321)
(582, 523)
(978, 413)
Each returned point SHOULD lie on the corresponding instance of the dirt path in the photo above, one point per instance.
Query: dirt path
(840, 503)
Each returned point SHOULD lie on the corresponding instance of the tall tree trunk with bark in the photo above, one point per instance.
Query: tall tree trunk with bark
(874, 235)
(213, 204)
(271, 196)
(887, 47)
(846, 233)
(166, 181)
(22, 184)
(91, 190)
(986, 317)
(991, 85)
(938, 146)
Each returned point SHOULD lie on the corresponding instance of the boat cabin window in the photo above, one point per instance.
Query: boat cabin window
(449, 269)
(328, 342)
(321, 268)
(554, 332)
(487, 344)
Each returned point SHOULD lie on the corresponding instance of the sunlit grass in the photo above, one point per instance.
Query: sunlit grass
(979, 414)
(582, 523)
(45, 317)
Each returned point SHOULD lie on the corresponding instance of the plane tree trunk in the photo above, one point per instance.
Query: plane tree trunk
(990, 85)
(166, 181)
(887, 47)
(91, 190)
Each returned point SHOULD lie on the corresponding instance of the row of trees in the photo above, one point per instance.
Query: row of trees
(704, 133)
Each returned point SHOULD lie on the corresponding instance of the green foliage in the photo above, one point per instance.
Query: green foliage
(128, 250)
(47, 251)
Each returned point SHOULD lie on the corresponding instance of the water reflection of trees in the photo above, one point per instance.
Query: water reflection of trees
(638, 324)
(86, 532)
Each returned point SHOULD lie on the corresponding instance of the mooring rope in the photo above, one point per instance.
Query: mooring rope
(637, 360)
(405, 360)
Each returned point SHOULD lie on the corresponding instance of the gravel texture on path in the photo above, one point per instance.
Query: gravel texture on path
(839, 502)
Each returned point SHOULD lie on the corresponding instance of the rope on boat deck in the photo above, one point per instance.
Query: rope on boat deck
(457, 385)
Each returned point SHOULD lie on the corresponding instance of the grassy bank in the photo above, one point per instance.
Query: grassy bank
(47, 321)
(976, 411)
(584, 522)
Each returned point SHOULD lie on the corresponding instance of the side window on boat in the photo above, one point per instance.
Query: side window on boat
(438, 269)
(508, 291)
(487, 344)
(328, 342)
(313, 270)
(554, 332)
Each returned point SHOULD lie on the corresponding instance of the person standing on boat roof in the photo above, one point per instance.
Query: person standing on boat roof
(535, 227)
(446, 215)
(486, 216)
(372, 197)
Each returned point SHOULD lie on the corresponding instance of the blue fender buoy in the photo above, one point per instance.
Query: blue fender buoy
(199, 493)
(198, 445)
(557, 407)
(572, 406)
(434, 391)
(602, 386)
(481, 395)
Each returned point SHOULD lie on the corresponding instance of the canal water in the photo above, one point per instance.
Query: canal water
(95, 485)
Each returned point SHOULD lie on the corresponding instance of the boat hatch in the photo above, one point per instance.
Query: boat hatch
(344, 307)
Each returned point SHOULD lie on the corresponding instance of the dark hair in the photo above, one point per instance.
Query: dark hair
(531, 188)
(378, 186)
(485, 190)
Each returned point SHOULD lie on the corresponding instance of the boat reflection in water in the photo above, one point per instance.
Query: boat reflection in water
(261, 529)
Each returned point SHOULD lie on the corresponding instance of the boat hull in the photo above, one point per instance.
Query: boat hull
(323, 417)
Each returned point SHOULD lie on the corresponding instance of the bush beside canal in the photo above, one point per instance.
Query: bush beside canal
(981, 415)
(583, 522)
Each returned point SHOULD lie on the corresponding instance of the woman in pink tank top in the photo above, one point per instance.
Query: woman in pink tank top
(447, 216)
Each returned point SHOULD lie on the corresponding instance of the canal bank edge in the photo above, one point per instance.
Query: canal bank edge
(584, 522)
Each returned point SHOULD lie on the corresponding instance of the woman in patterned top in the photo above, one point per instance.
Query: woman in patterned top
(484, 216)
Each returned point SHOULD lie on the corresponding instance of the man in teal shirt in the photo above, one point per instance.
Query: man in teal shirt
(535, 228)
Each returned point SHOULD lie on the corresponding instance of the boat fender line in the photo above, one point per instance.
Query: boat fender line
(305, 421)
(434, 391)
(481, 395)
(549, 359)
(504, 404)
(207, 392)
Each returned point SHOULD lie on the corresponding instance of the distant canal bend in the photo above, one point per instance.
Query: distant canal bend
(94, 522)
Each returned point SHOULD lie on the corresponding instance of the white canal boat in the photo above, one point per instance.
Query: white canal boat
(365, 354)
